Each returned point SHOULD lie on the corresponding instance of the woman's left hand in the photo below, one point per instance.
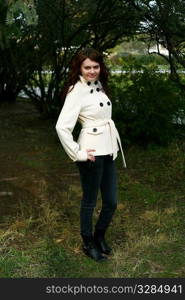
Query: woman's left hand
(89, 155)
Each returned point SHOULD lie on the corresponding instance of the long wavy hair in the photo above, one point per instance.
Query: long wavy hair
(75, 70)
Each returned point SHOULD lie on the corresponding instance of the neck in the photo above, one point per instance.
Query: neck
(83, 80)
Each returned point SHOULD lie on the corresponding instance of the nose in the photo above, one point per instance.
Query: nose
(92, 70)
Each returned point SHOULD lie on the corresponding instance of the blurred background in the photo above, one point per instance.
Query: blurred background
(143, 43)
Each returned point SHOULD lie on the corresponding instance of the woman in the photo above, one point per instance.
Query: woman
(86, 100)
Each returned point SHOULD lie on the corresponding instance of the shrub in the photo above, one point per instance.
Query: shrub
(146, 104)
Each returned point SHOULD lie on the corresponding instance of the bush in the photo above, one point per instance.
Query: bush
(128, 60)
(145, 107)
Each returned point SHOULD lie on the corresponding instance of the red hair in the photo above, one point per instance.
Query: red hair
(75, 68)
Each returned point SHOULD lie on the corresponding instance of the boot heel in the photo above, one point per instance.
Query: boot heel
(101, 244)
(94, 253)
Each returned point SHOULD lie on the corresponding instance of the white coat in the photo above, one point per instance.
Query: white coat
(87, 103)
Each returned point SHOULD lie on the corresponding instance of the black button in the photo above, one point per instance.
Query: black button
(91, 91)
(94, 129)
(108, 103)
(96, 82)
(98, 89)
(88, 82)
(101, 104)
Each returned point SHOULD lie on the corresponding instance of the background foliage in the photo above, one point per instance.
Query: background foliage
(39, 37)
(148, 106)
(39, 185)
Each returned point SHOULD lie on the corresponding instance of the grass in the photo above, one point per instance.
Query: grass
(39, 201)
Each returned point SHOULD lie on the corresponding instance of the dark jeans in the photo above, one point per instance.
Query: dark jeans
(100, 174)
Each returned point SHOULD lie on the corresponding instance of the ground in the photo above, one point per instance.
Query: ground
(39, 202)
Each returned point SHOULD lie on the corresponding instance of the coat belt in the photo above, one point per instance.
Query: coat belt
(114, 135)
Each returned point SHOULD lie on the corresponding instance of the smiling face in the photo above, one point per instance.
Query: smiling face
(90, 69)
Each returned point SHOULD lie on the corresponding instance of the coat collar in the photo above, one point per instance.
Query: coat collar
(89, 83)
(92, 86)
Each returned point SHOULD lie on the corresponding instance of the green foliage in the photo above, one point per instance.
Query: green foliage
(136, 48)
(146, 103)
(163, 23)
(21, 11)
(13, 261)
(149, 59)
(42, 35)
(63, 28)
(17, 39)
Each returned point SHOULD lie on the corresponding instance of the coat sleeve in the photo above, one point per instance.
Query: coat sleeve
(66, 123)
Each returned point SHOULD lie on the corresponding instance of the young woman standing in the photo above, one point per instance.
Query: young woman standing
(86, 101)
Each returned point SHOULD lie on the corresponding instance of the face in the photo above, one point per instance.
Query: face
(90, 69)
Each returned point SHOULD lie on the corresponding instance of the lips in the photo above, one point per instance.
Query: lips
(92, 77)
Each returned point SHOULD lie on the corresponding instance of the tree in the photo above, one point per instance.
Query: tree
(64, 27)
(17, 37)
(163, 21)
(42, 35)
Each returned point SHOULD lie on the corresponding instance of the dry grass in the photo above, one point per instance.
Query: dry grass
(40, 197)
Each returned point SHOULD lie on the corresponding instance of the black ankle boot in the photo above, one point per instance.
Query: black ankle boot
(90, 249)
(99, 238)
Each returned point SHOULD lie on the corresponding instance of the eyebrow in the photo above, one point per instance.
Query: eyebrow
(87, 66)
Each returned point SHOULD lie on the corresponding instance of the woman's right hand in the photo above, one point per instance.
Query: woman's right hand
(90, 156)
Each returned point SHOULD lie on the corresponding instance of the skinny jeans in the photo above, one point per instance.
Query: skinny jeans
(98, 175)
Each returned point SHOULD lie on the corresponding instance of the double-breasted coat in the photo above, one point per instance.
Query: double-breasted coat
(87, 103)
